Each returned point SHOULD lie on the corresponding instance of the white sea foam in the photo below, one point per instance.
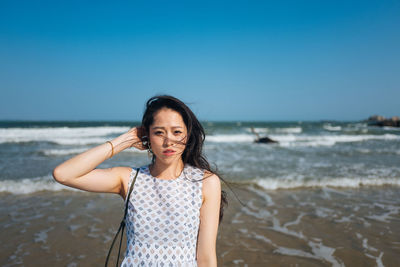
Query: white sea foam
(72, 151)
(327, 140)
(263, 238)
(252, 210)
(264, 195)
(230, 138)
(319, 250)
(31, 185)
(324, 212)
(388, 128)
(284, 230)
(42, 235)
(344, 219)
(295, 222)
(370, 250)
(301, 140)
(292, 130)
(329, 127)
(16, 258)
(275, 183)
(379, 262)
(61, 152)
(325, 253)
(289, 130)
(368, 247)
(294, 252)
(74, 227)
(387, 215)
(60, 135)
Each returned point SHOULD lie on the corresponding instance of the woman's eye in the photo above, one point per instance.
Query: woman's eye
(178, 132)
(158, 133)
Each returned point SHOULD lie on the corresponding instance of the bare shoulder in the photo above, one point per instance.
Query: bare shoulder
(124, 174)
(211, 185)
(211, 179)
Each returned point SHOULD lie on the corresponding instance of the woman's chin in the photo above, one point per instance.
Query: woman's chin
(168, 158)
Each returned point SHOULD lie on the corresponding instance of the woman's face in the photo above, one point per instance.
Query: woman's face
(168, 135)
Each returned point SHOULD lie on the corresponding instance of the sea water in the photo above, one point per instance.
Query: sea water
(327, 193)
(309, 154)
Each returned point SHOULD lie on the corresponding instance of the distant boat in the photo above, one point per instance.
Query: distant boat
(262, 140)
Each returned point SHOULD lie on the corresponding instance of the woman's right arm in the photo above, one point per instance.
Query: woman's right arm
(79, 172)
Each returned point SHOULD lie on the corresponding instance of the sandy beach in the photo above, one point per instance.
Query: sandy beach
(302, 227)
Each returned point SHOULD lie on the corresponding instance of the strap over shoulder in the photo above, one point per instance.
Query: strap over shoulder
(129, 193)
(122, 225)
(134, 171)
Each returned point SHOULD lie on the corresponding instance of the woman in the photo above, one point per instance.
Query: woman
(176, 204)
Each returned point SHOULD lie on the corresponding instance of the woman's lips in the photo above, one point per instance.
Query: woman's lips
(169, 152)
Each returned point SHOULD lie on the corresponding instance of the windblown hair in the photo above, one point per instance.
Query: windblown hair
(193, 153)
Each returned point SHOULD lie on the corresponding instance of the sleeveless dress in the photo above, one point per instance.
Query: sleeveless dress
(163, 219)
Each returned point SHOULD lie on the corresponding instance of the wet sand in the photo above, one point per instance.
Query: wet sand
(302, 227)
(312, 227)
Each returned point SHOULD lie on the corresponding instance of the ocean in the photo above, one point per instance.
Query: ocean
(327, 194)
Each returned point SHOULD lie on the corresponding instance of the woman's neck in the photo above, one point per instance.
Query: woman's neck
(166, 171)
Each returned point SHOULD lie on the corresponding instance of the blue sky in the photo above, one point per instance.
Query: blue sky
(229, 60)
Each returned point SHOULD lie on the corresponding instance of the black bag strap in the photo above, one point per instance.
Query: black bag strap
(122, 225)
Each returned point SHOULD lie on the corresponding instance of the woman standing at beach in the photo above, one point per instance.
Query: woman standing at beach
(176, 204)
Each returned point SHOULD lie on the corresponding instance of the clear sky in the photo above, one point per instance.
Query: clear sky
(229, 60)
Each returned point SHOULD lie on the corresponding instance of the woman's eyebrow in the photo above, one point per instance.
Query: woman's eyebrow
(160, 127)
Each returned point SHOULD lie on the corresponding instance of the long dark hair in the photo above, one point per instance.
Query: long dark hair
(193, 153)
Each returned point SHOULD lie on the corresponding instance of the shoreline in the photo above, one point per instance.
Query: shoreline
(285, 227)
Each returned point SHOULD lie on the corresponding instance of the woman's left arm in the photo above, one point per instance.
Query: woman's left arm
(209, 219)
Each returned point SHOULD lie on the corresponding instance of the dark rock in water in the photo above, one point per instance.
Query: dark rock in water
(262, 140)
(381, 121)
(265, 140)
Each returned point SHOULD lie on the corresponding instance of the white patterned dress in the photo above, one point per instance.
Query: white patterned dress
(163, 219)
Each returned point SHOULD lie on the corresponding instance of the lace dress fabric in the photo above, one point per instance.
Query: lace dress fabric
(163, 219)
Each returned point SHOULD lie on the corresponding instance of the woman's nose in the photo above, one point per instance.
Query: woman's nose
(168, 141)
